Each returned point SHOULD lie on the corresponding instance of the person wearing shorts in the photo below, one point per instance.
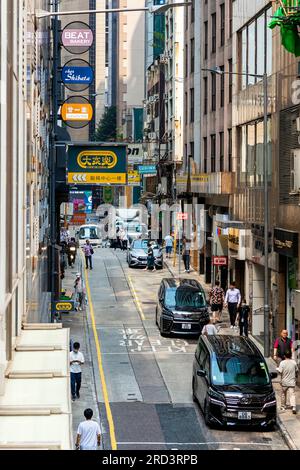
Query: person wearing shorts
(216, 300)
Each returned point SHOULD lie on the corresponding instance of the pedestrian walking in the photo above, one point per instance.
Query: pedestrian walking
(216, 300)
(243, 318)
(209, 329)
(88, 433)
(169, 241)
(76, 361)
(186, 253)
(233, 301)
(150, 259)
(79, 292)
(282, 345)
(123, 239)
(88, 253)
(289, 371)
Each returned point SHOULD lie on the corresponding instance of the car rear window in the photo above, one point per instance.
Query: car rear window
(239, 370)
(184, 298)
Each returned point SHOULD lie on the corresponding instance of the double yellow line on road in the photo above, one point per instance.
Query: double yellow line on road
(110, 420)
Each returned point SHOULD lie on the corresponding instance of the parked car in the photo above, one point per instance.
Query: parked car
(137, 254)
(181, 307)
(89, 232)
(232, 383)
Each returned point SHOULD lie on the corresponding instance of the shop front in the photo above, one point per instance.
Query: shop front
(286, 246)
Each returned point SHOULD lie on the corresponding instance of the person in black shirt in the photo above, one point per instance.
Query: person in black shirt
(243, 318)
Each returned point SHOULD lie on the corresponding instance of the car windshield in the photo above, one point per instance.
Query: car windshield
(142, 245)
(184, 299)
(136, 228)
(88, 233)
(239, 370)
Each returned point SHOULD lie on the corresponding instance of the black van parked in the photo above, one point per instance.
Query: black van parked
(232, 384)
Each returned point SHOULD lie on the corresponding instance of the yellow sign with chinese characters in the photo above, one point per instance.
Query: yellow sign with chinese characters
(134, 178)
(96, 178)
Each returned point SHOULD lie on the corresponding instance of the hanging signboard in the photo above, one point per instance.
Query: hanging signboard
(135, 154)
(77, 37)
(99, 165)
(77, 112)
(77, 75)
(220, 260)
(147, 170)
(134, 178)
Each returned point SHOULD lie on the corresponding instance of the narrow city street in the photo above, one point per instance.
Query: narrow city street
(146, 379)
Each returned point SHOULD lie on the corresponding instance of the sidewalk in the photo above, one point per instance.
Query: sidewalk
(77, 323)
(288, 423)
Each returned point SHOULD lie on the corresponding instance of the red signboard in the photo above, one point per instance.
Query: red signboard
(182, 216)
(78, 219)
(220, 260)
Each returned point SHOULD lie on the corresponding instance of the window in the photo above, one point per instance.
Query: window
(254, 40)
(205, 40)
(213, 91)
(221, 140)
(186, 60)
(192, 105)
(193, 12)
(186, 108)
(222, 21)
(213, 33)
(230, 18)
(192, 149)
(222, 88)
(213, 153)
(230, 81)
(229, 149)
(205, 153)
(192, 55)
(205, 95)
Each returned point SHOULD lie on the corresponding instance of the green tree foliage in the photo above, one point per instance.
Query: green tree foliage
(107, 127)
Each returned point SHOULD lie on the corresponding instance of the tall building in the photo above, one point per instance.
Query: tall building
(30, 403)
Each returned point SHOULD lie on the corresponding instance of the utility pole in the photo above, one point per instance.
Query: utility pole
(53, 234)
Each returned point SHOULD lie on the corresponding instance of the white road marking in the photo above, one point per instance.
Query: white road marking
(197, 443)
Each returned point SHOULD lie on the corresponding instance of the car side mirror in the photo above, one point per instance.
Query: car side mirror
(201, 373)
(273, 375)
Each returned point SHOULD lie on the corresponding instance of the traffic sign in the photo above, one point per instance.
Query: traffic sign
(220, 260)
(182, 216)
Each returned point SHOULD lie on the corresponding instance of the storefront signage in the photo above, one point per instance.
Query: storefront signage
(182, 216)
(64, 306)
(134, 178)
(286, 242)
(82, 201)
(77, 112)
(99, 165)
(135, 154)
(220, 260)
(74, 75)
(147, 169)
(77, 37)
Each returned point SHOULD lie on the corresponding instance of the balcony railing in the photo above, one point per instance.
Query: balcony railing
(207, 183)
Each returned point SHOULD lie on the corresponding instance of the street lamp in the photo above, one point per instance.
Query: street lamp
(155, 9)
(264, 77)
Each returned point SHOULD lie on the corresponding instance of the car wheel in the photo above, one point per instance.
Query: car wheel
(206, 415)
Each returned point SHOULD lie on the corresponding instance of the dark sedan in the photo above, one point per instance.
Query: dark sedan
(137, 254)
(181, 307)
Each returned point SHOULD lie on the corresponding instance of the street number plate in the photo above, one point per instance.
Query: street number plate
(244, 415)
(186, 326)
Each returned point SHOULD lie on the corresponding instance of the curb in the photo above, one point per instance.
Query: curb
(285, 435)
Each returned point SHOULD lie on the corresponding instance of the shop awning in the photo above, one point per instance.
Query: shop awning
(35, 410)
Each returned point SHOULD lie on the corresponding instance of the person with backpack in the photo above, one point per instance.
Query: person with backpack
(282, 345)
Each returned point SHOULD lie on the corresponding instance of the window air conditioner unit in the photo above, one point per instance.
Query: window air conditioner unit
(152, 135)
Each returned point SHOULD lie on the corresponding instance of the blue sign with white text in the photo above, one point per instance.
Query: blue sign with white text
(147, 169)
(77, 75)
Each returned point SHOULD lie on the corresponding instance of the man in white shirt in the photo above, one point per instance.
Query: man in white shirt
(88, 433)
(169, 245)
(233, 301)
(289, 371)
(76, 361)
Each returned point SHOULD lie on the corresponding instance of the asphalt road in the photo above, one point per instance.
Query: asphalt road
(147, 378)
